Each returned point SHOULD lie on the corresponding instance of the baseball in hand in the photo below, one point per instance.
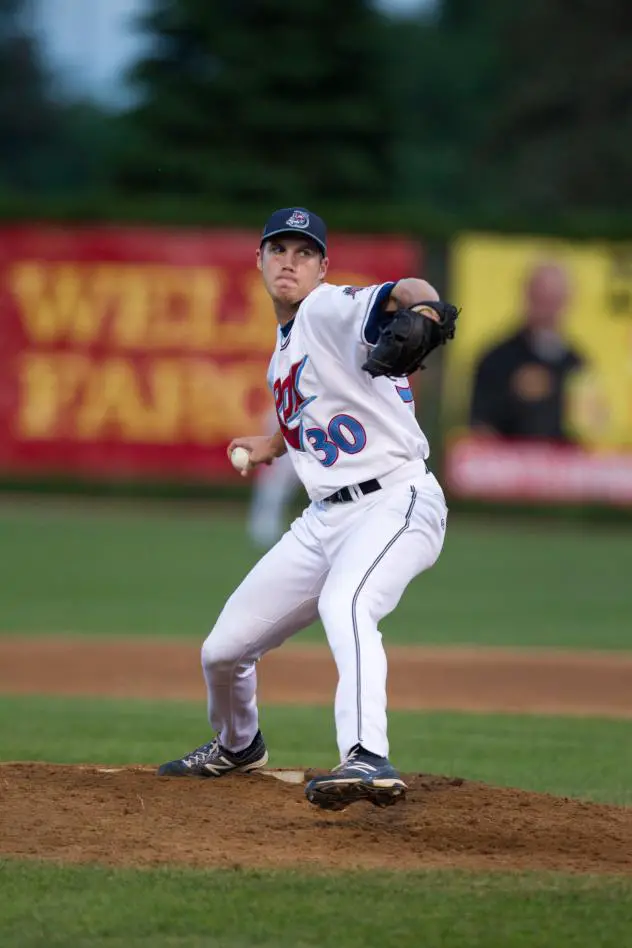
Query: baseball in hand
(240, 459)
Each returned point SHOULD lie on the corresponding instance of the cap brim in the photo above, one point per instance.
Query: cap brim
(295, 232)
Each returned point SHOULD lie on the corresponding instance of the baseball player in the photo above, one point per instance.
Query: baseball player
(376, 519)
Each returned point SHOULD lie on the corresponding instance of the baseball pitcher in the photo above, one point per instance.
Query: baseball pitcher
(376, 519)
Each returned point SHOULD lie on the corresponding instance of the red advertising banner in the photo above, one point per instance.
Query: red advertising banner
(495, 470)
(140, 352)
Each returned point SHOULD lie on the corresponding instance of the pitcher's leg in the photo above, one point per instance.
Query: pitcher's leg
(276, 599)
(398, 537)
(241, 635)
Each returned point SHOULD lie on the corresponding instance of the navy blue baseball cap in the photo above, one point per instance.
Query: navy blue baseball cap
(297, 221)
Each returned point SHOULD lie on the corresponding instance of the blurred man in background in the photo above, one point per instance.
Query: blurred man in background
(519, 385)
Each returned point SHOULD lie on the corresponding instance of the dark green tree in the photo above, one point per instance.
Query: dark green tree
(27, 118)
(510, 108)
(445, 69)
(261, 100)
(560, 135)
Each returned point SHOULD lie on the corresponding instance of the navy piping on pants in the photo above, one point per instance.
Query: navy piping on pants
(355, 603)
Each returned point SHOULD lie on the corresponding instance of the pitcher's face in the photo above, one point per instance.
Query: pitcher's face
(291, 267)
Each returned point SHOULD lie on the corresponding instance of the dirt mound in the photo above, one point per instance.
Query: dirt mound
(130, 817)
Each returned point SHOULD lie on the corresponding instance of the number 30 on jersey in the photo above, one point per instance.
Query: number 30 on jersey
(344, 433)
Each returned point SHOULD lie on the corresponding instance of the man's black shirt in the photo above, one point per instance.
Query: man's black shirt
(519, 393)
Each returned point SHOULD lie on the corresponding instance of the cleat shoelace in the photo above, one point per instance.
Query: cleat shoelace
(348, 760)
(202, 753)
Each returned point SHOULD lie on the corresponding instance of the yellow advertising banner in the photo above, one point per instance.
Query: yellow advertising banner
(543, 352)
(492, 280)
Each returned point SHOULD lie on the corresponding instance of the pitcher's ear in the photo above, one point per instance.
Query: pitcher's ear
(324, 266)
(259, 265)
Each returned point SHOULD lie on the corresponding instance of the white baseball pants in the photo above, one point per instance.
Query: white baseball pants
(349, 563)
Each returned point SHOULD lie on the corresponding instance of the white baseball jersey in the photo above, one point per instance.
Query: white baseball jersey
(341, 426)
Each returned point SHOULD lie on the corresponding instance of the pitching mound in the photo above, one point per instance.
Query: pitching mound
(129, 817)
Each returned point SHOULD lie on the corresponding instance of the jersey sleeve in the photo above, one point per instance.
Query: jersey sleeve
(356, 310)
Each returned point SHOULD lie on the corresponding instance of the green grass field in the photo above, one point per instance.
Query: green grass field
(51, 907)
(167, 570)
(114, 569)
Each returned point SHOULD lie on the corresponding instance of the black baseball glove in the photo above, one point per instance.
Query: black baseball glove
(409, 337)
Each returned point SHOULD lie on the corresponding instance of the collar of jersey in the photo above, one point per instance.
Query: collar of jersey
(285, 330)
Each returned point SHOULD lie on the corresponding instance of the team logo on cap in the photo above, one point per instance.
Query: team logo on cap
(298, 219)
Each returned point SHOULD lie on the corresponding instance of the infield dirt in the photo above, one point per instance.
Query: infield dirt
(461, 679)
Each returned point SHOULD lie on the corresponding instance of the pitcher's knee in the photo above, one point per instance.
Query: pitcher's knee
(218, 652)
